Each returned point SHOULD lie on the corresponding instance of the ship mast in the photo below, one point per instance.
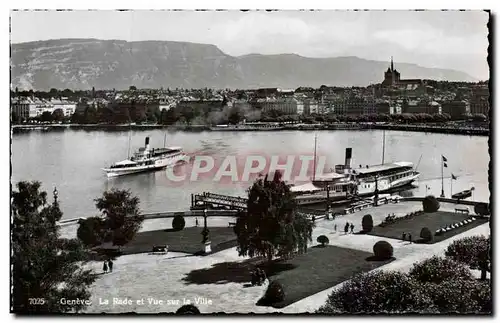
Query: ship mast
(383, 148)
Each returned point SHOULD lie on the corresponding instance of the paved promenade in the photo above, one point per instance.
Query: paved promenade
(146, 276)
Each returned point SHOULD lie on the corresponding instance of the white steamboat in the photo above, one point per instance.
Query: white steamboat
(147, 159)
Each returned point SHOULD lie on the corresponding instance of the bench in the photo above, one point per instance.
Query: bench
(161, 249)
(464, 211)
(232, 224)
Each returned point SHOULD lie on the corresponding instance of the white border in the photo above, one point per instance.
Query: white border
(178, 4)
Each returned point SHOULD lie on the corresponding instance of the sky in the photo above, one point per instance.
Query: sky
(443, 39)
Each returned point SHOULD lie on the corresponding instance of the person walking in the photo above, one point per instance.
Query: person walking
(409, 237)
(335, 228)
(346, 228)
(404, 236)
(110, 265)
(196, 221)
(105, 267)
(352, 227)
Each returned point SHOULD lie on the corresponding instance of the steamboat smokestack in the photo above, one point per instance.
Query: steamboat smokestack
(146, 144)
(348, 156)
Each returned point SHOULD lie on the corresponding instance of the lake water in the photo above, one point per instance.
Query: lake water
(72, 160)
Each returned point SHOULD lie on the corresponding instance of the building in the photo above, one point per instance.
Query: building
(21, 107)
(456, 108)
(67, 107)
(420, 106)
(201, 105)
(393, 78)
(383, 107)
(283, 105)
(479, 103)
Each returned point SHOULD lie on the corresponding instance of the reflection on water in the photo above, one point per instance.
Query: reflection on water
(72, 161)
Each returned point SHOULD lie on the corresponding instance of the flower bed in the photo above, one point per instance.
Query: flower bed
(455, 225)
(391, 219)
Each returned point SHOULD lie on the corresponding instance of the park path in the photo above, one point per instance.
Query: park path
(144, 276)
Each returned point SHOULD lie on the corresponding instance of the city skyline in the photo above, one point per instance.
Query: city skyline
(441, 39)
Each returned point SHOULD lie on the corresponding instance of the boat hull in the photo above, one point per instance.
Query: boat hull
(159, 165)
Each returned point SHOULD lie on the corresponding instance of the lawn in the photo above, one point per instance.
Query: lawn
(433, 221)
(306, 274)
(187, 240)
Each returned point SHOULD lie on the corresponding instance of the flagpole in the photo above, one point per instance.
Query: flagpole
(451, 187)
(314, 169)
(442, 178)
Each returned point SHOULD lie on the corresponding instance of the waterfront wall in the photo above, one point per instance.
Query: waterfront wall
(347, 126)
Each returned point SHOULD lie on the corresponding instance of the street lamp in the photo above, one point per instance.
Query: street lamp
(55, 194)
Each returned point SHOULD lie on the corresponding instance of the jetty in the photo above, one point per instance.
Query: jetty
(219, 205)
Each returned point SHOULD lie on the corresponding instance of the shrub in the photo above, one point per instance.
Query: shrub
(426, 234)
(436, 270)
(367, 223)
(274, 294)
(430, 204)
(482, 209)
(377, 292)
(383, 250)
(178, 223)
(468, 250)
(323, 240)
(188, 309)
(460, 296)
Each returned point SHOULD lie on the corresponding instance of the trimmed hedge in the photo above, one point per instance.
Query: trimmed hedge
(426, 234)
(430, 204)
(323, 240)
(178, 223)
(367, 223)
(383, 250)
(482, 209)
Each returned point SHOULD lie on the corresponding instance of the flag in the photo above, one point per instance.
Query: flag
(445, 165)
(453, 177)
(444, 158)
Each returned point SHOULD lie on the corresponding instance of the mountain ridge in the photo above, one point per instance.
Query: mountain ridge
(83, 63)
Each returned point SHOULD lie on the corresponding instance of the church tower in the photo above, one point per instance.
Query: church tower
(391, 76)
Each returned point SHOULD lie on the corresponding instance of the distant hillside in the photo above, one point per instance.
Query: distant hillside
(107, 64)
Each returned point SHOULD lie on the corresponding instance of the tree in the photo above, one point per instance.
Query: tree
(122, 219)
(235, 115)
(46, 116)
(90, 231)
(132, 88)
(468, 250)
(58, 115)
(46, 267)
(271, 225)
